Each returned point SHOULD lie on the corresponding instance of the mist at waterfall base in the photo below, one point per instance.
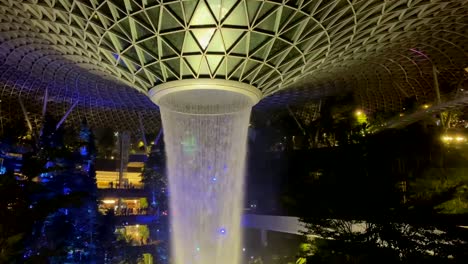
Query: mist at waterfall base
(206, 138)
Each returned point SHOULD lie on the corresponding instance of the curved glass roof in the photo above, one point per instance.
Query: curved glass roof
(104, 52)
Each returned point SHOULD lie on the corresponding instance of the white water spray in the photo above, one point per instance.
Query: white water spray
(206, 138)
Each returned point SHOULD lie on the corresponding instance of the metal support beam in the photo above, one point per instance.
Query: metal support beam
(437, 91)
(25, 113)
(44, 104)
(142, 128)
(264, 237)
(66, 115)
(297, 121)
(436, 83)
(156, 141)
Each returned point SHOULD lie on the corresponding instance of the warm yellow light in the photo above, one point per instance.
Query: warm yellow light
(451, 138)
(401, 114)
(108, 201)
(358, 112)
(425, 106)
(447, 138)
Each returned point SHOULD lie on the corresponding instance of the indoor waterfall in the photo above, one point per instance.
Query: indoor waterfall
(205, 133)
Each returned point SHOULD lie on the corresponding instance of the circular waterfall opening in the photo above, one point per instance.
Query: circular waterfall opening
(205, 126)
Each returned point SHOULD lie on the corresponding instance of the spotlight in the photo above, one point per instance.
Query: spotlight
(222, 231)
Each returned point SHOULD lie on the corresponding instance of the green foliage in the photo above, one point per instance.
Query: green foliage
(53, 209)
(143, 203)
(155, 179)
(397, 194)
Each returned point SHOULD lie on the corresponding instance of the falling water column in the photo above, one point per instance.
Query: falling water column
(205, 130)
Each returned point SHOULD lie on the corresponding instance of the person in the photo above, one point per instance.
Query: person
(111, 184)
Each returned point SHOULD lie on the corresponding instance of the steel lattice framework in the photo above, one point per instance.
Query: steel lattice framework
(108, 53)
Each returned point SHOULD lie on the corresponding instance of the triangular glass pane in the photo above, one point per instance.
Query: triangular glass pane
(230, 36)
(76, 22)
(194, 62)
(250, 66)
(171, 76)
(116, 12)
(131, 53)
(202, 15)
(264, 74)
(267, 8)
(221, 70)
(285, 66)
(176, 9)
(292, 54)
(175, 39)
(291, 33)
(186, 69)
(120, 43)
(203, 36)
(213, 62)
(227, 6)
(97, 30)
(215, 6)
(150, 46)
(216, 43)
(156, 70)
(262, 53)
(236, 75)
(241, 46)
(106, 11)
(125, 24)
(144, 56)
(204, 68)
(153, 15)
(189, 8)
(168, 22)
(238, 17)
(190, 44)
(311, 30)
(278, 47)
(143, 19)
(256, 41)
(138, 31)
(167, 50)
(134, 5)
(297, 19)
(124, 32)
(147, 3)
(150, 76)
(252, 9)
(267, 23)
(62, 17)
(174, 65)
(286, 14)
(278, 59)
(251, 74)
(142, 76)
(106, 44)
(233, 63)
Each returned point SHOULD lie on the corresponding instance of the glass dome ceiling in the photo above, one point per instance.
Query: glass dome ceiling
(96, 51)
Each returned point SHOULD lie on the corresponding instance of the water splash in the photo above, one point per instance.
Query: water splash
(205, 136)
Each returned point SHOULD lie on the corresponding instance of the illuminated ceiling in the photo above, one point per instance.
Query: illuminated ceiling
(108, 53)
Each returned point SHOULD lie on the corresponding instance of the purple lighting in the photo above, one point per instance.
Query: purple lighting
(222, 231)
